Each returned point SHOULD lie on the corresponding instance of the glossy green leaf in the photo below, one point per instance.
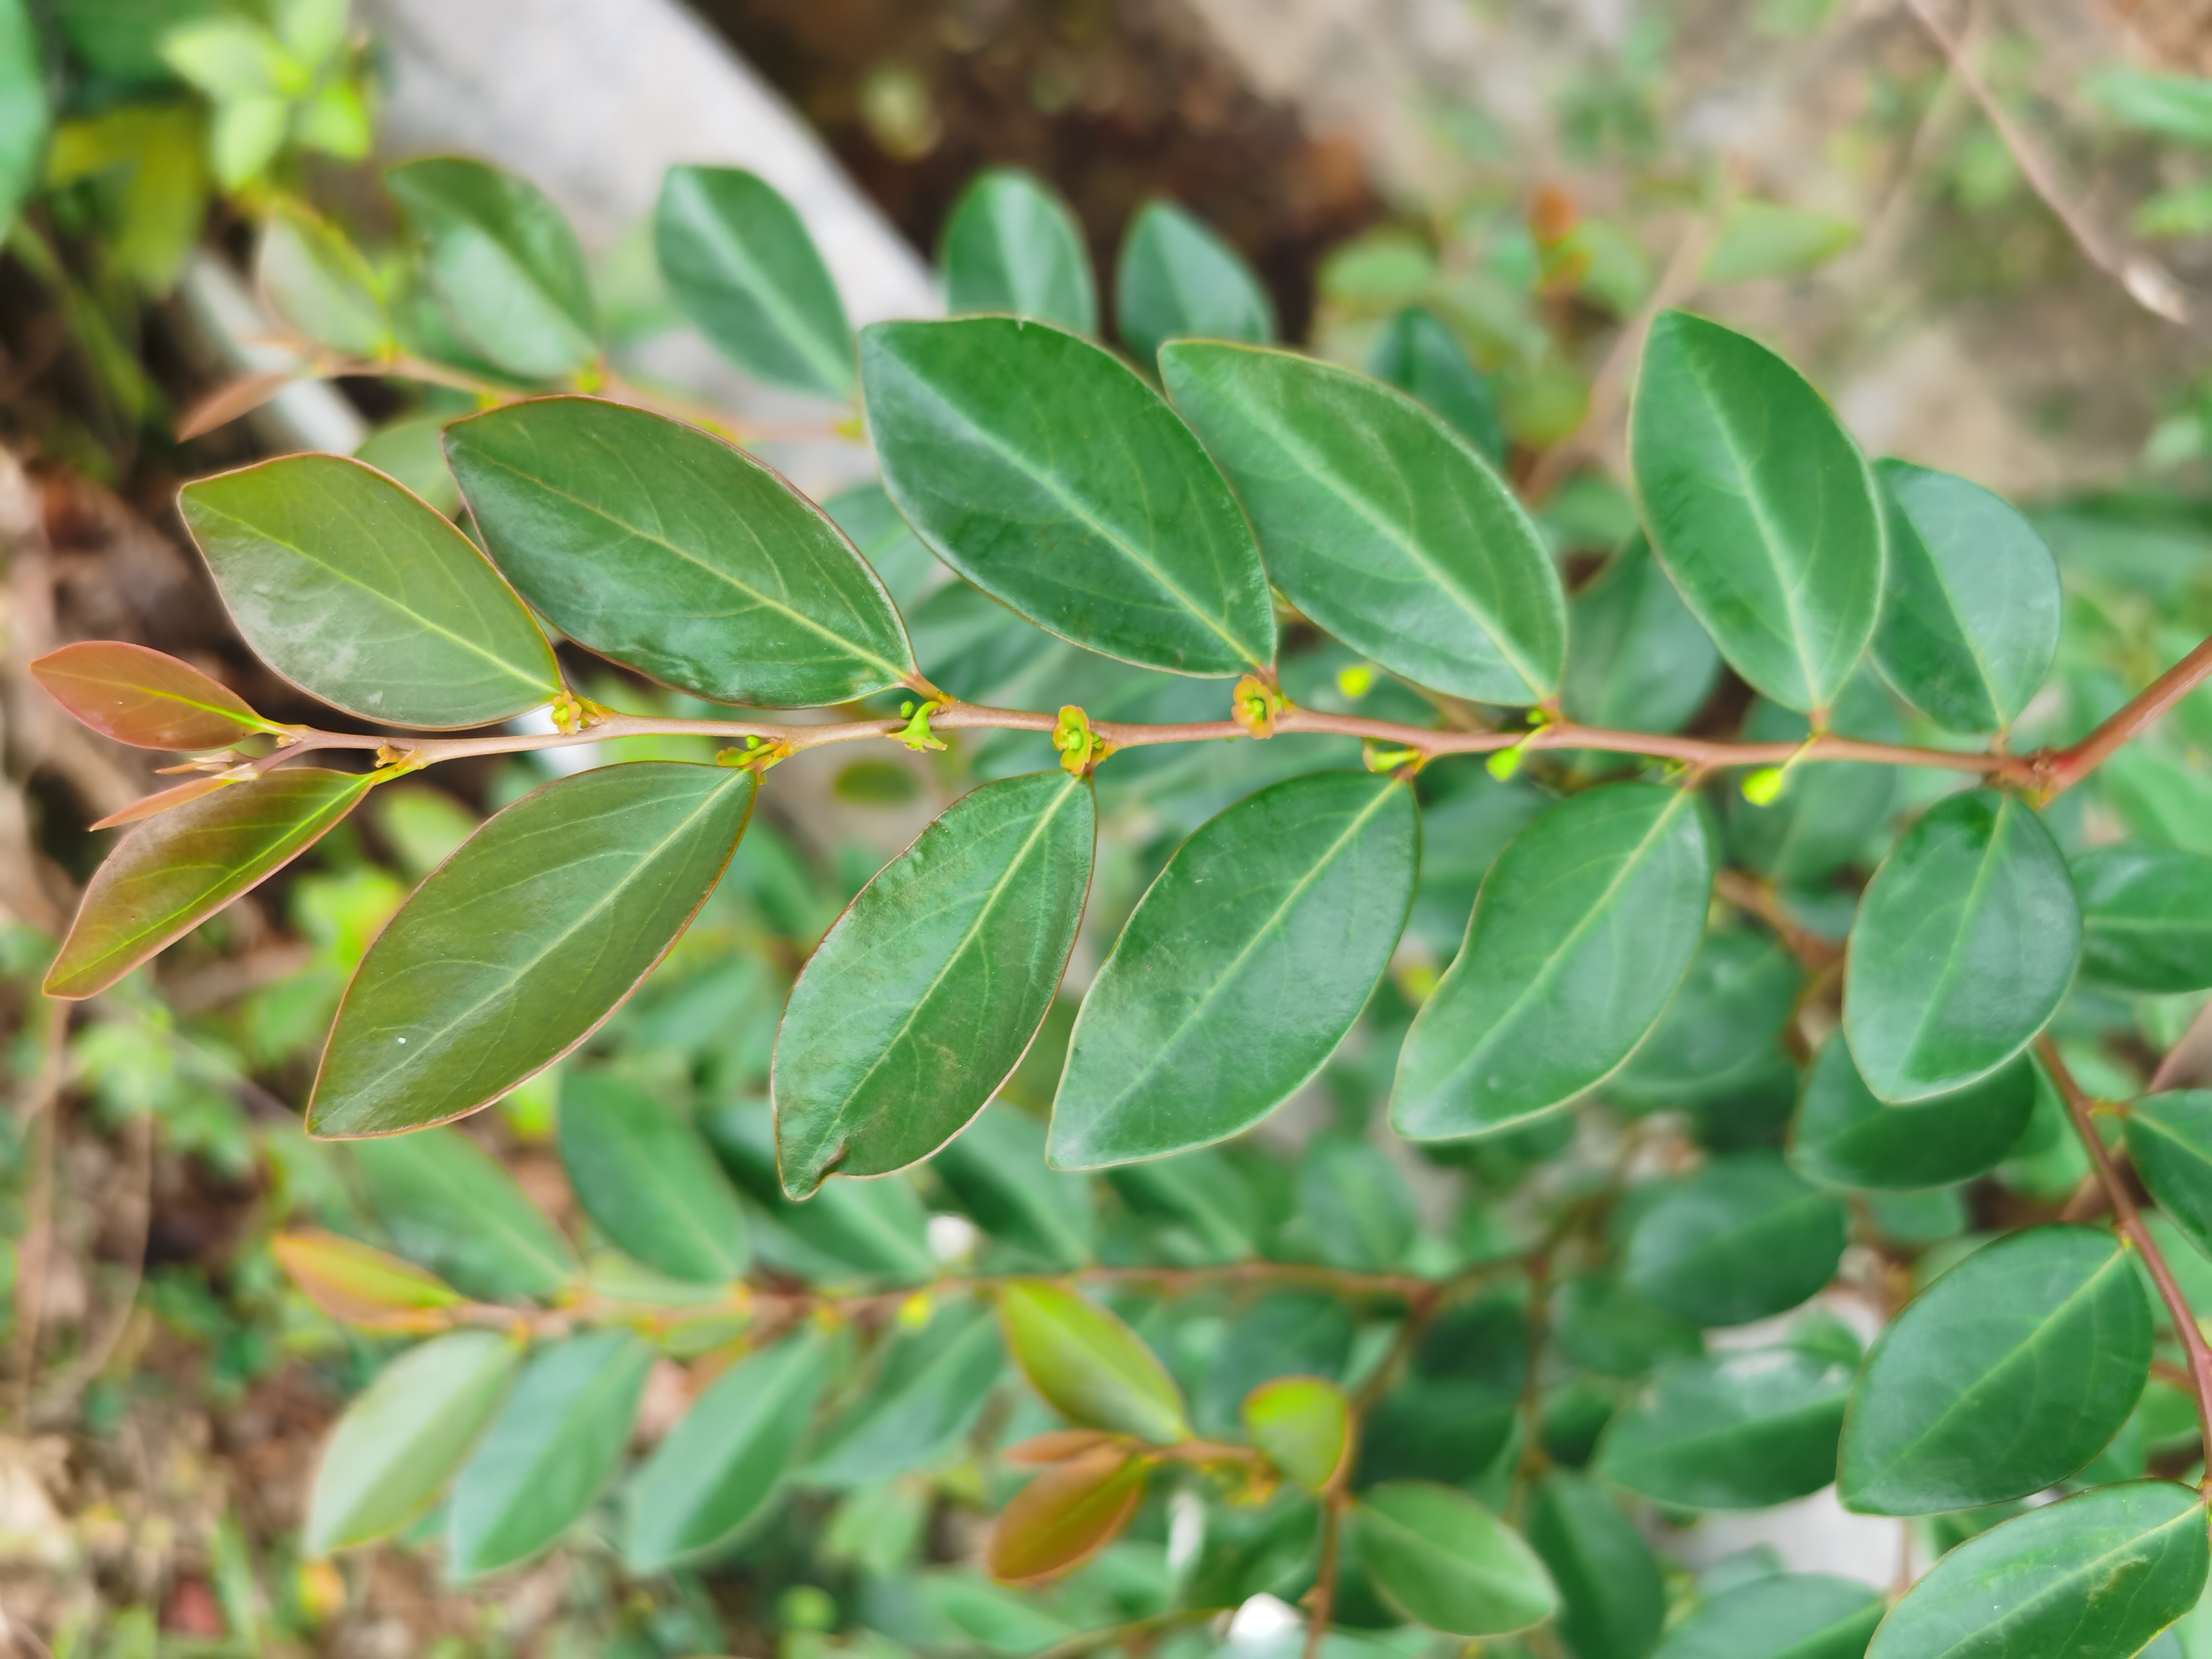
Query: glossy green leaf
(1378, 521)
(1785, 1615)
(1013, 245)
(173, 871)
(1354, 1203)
(1303, 1424)
(1177, 279)
(995, 1171)
(1241, 970)
(555, 1444)
(1738, 1431)
(1602, 1325)
(1843, 1136)
(365, 596)
(1611, 1600)
(648, 1181)
(1065, 1516)
(668, 550)
(1970, 618)
(1585, 925)
(1722, 1031)
(2003, 1377)
(918, 1004)
(1965, 941)
(450, 1206)
(989, 432)
(509, 272)
(1760, 239)
(1090, 1368)
(1637, 659)
(399, 1444)
(927, 1395)
(519, 945)
(1449, 1562)
(320, 283)
(2170, 1143)
(1761, 507)
(1417, 354)
(2097, 1576)
(740, 266)
(23, 111)
(2146, 917)
(1743, 1237)
(725, 1458)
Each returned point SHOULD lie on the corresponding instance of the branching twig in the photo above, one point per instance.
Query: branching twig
(1320, 1600)
(2069, 766)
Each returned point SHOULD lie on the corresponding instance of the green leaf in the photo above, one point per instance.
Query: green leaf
(1378, 521)
(871, 1228)
(724, 1459)
(907, 570)
(989, 432)
(1637, 659)
(1846, 1138)
(1611, 1600)
(995, 1171)
(1742, 1238)
(1088, 1366)
(23, 109)
(516, 948)
(365, 596)
(2097, 1576)
(1279, 1333)
(397, 1444)
(1241, 969)
(1758, 239)
(927, 1395)
(1965, 941)
(1785, 1615)
(1447, 1562)
(1176, 278)
(648, 1181)
(450, 1206)
(652, 542)
(1584, 927)
(2171, 105)
(507, 268)
(1761, 507)
(318, 282)
(174, 870)
(1602, 1325)
(740, 264)
(918, 1004)
(2170, 1143)
(1013, 245)
(1417, 354)
(1970, 617)
(555, 1444)
(1354, 1203)
(1303, 1424)
(1739, 1431)
(2003, 1377)
(2146, 917)
(1722, 1033)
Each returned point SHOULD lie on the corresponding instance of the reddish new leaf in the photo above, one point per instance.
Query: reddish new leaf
(140, 696)
(162, 799)
(1065, 1516)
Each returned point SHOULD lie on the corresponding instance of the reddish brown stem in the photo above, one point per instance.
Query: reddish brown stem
(1320, 1600)
(2069, 766)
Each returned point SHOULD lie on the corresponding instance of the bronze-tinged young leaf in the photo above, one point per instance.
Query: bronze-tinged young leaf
(161, 801)
(2146, 917)
(359, 1284)
(365, 596)
(1448, 1563)
(663, 548)
(145, 698)
(518, 947)
(1303, 1424)
(1040, 467)
(1065, 1516)
(1090, 1367)
(176, 871)
(918, 1004)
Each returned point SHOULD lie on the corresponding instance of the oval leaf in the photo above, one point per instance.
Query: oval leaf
(1241, 970)
(2146, 917)
(648, 1181)
(512, 951)
(1583, 928)
(144, 698)
(1013, 245)
(713, 1471)
(1742, 1238)
(317, 281)
(1449, 1562)
(1065, 1516)
(399, 1444)
(1741, 1430)
(448, 1204)
(366, 597)
(1787, 1615)
(1378, 521)
(665, 549)
(360, 1284)
(1612, 1602)
(1637, 659)
(741, 266)
(918, 1004)
(989, 431)
(1843, 1136)
(1303, 1424)
(1965, 941)
(1090, 1368)
(2170, 1143)
(928, 1393)
(555, 1444)
(1176, 278)
(1417, 354)
(2096, 1576)
(1970, 617)
(1602, 1325)
(2004, 1377)
(1722, 1033)
(176, 871)
(1761, 507)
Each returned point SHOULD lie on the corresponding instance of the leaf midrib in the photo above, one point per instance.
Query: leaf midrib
(1940, 988)
(2020, 1611)
(790, 325)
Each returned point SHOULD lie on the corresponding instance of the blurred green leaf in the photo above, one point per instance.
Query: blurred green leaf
(1176, 279)
(1087, 1365)
(1845, 1137)
(1739, 1431)
(1448, 1562)
(2146, 917)
(449, 1206)
(1303, 1424)
(922, 1399)
(1785, 1615)
(1612, 1600)
(1742, 1238)
(648, 1181)
(1758, 239)
(1417, 354)
(1012, 246)
(1637, 659)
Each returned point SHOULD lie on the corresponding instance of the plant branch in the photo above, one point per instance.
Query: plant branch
(2069, 766)
(1320, 1600)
